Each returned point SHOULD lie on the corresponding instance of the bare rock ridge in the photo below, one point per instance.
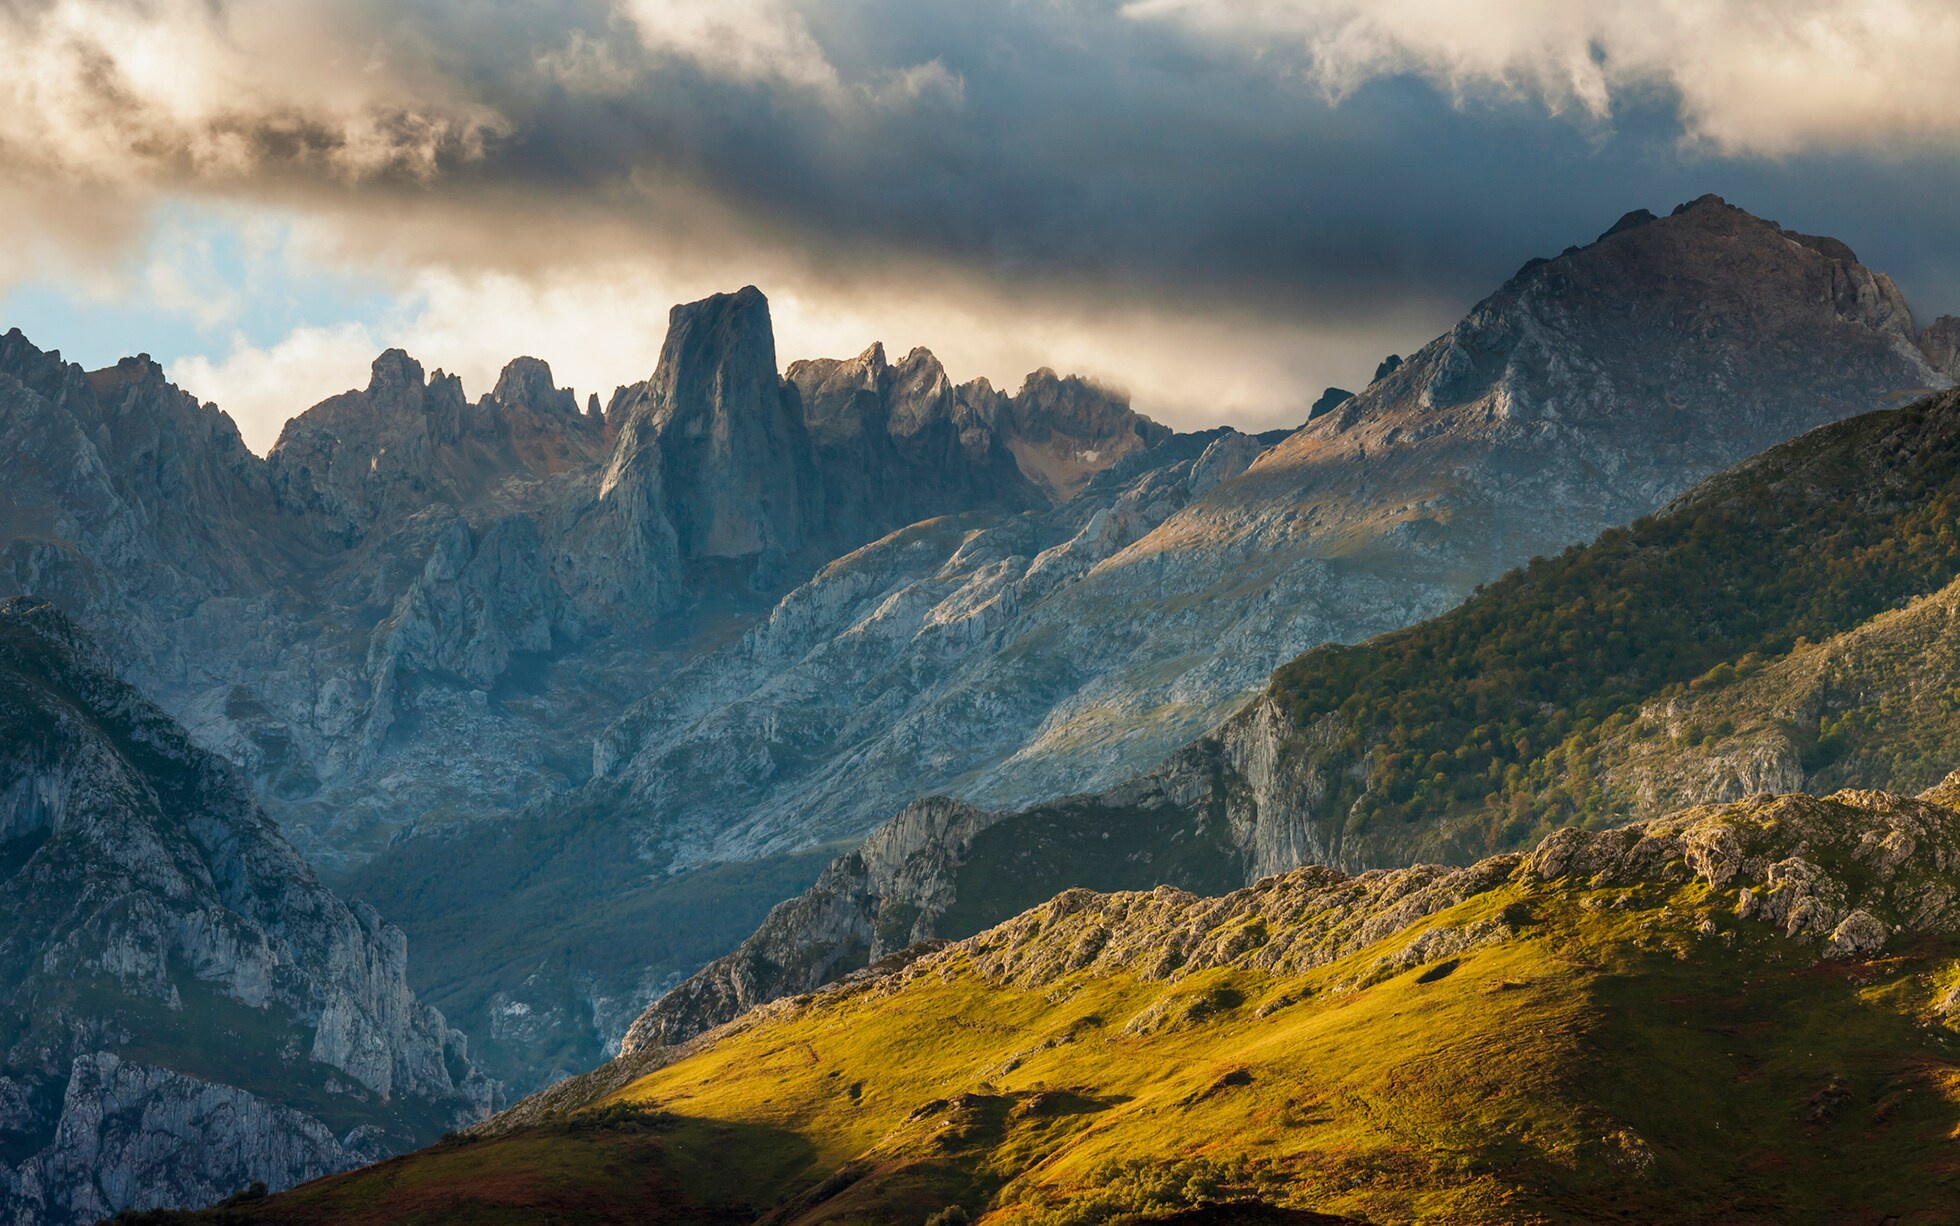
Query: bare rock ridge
(403, 554)
(188, 1009)
(1604, 382)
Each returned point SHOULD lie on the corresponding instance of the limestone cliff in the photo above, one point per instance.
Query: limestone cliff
(188, 1009)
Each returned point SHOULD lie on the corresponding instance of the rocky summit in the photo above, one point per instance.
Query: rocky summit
(188, 1010)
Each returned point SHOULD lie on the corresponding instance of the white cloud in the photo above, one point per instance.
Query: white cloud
(1755, 77)
(125, 92)
(758, 41)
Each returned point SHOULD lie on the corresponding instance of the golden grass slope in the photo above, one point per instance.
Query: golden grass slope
(1734, 1014)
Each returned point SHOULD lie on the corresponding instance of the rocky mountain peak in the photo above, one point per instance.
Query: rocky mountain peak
(1681, 343)
(1940, 342)
(725, 432)
(394, 372)
(1066, 429)
(719, 357)
(126, 373)
(526, 383)
(843, 395)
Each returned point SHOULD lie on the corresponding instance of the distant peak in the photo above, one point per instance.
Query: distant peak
(746, 300)
(129, 372)
(1631, 221)
(134, 369)
(1331, 399)
(874, 357)
(394, 369)
(920, 359)
(527, 383)
(1707, 201)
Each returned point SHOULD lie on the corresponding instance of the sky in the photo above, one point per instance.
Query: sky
(1220, 206)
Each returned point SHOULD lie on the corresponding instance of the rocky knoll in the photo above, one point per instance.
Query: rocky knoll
(188, 1010)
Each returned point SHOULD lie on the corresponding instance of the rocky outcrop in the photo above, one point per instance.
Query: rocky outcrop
(736, 473)
(122, 1138)
(1940, 342)
(1331, 399)
(866, 906)
(900, 444)
(840, 704)
(1067, 429)
(162, 949)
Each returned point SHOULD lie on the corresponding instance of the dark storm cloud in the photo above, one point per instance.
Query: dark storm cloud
(1063, 145)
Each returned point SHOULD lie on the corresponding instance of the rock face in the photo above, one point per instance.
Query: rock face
(915, 443)
(188, 1009)
(1941, 344)
(838, 705)
(724, 444)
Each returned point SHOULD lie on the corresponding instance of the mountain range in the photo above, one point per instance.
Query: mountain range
(1591, 689)
(575, 696)
(1010, 662)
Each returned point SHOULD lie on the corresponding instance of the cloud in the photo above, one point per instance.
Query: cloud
(1752, 77)
(127, 92)
(745, 40)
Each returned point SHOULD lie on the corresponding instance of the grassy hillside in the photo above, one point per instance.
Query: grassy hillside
(1480, 729)
(1739, 1014)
